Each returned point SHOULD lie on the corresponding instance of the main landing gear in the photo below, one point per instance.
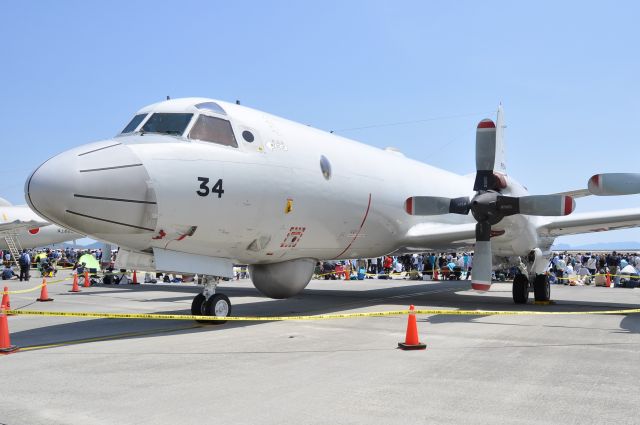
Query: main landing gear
(208, 303)
(541, 288)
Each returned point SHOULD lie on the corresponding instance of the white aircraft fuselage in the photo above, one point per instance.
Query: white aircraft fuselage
(264, 201)
(195, 185)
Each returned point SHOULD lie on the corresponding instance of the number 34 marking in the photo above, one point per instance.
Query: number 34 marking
(204, 189)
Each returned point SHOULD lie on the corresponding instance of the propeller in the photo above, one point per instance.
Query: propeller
(488, 206)
(613, 184)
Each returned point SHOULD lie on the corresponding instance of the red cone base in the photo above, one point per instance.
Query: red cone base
(44, 294)
(5, 340)
(411, 341)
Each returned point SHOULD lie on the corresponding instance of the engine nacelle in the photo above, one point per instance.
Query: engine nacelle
(282, 280)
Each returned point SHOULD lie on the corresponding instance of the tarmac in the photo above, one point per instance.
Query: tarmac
(476, 369)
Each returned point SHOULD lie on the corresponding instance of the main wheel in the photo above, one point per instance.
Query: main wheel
(219, 306)
(197, 307)
(520, 289)
(541, 288)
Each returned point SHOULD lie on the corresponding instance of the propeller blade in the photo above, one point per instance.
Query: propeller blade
(612, 184)
(481, 273)
(485, 155)
(548, 205)
(435, 205)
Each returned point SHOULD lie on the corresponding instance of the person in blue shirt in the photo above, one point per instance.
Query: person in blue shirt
(25, 264)
(7, 273)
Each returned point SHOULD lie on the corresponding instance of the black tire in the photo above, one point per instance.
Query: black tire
(520, 289)
(218, 305)
(197, 307)
(541, 288)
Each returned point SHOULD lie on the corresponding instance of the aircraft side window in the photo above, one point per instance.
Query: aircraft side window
(248, 136)
(215, 130)
(134, 123)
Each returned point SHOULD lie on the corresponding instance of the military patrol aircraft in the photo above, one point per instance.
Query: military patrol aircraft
(20, 227)
(195, 185)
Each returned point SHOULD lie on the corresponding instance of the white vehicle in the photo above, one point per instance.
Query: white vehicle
(195, 185)
(20, 225)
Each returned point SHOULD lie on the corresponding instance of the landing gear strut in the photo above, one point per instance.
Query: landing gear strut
(208, 303)
(520, 289)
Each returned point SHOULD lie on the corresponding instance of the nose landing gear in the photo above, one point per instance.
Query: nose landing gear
(208, 303)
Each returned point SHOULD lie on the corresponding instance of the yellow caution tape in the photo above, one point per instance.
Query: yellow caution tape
(35, 288)
(316, 317)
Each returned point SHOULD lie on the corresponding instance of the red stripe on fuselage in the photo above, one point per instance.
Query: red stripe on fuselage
(366, 213)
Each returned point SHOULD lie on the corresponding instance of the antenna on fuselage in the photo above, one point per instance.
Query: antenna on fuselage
(237, 102)
(168, 97)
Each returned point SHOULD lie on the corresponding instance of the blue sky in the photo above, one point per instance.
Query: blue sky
(566, 72)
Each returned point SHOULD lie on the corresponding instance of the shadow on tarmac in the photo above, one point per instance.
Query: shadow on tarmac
(310, 301)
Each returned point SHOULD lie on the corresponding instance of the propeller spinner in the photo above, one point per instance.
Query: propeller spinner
(488, 206)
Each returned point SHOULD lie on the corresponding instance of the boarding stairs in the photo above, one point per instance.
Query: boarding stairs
(13, 243)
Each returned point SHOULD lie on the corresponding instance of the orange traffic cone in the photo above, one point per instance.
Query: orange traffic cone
(347, 275)
(87, 281)
(411, 341)
(608, 280)
(44, 294)
(75, 283)
(5, 340)
(5, 299)
(135, 278)
(435, 274)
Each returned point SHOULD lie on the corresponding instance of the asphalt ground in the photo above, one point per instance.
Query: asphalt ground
(476, 369)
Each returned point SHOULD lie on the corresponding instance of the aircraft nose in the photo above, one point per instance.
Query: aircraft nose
(101, 189)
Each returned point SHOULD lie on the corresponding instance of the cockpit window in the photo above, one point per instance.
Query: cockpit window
(134, 123)
(212, 129)
(166, 123)
(211, 106)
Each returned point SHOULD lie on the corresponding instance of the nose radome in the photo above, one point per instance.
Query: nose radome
(101, 189)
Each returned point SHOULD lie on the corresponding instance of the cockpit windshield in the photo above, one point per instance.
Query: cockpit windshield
(167, 123)
(134, 123)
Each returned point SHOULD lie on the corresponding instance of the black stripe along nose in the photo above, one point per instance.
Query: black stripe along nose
(100, 190)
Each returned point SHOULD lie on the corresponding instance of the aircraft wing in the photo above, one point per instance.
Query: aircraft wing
(580, 193)
(438, 236)
(588, 222)
(18, 224)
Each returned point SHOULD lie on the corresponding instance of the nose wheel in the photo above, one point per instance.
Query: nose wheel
(208, 303)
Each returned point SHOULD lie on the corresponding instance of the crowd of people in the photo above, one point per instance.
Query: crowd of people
(623, 269)
(46, 261)
(446, 265)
